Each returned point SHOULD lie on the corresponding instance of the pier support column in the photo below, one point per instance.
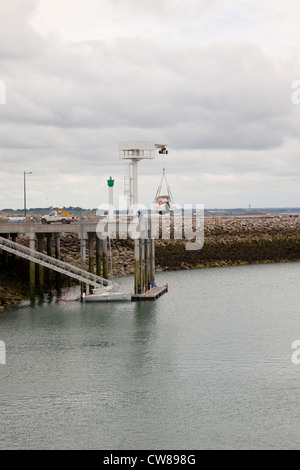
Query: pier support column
(91, 253)
(83, 252)
(5, 253)
(57, 256)
(57, 245)
(137, 273)
(40, 237)
(32, 269)
(98, 257)
(147, 263)
(105, 259)
(152, 262)
(49, 253)
(14, 239)
(142, 265)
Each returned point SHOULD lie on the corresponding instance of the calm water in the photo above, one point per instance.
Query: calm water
(207, 366)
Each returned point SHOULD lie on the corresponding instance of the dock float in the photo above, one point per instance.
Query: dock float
(151, 294)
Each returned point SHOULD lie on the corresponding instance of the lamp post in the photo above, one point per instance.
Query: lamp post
(25, 173)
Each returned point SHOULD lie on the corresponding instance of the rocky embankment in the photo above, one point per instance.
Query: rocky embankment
(234, 241)
(13, 282)
(227, 241)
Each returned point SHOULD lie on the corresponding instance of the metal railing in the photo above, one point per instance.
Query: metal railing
(56, 265)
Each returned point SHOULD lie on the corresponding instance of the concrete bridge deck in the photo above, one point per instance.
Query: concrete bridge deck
(35, 228)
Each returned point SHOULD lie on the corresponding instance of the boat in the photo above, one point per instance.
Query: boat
(99, 295)
(163, 203)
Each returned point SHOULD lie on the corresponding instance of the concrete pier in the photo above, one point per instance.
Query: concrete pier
(94, 253)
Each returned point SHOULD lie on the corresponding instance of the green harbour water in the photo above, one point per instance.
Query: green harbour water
(207, 366)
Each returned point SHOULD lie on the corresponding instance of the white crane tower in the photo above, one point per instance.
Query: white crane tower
(136, 151)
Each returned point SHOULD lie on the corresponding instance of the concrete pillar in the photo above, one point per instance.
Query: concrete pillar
(98, 257)
(137, 274)
(147, 263)
(142, 265)
(14, 239)
(57, 256)
(152, 262)
(32, 269)
(83, 252)
(40, 237)
(91, 252)
(57, 245)
(49, 253)
(152, 236)
(5, 253)
(49, 244)
(105, 259)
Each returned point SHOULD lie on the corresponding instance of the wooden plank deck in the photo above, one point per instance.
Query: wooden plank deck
(152, 294)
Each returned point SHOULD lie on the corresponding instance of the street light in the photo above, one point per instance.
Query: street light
(25, 173)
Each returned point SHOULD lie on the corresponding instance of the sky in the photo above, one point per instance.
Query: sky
(211, 79)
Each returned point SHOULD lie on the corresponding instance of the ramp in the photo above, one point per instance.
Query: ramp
(55, 264)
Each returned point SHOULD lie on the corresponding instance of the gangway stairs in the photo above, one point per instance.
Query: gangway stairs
(56, 265)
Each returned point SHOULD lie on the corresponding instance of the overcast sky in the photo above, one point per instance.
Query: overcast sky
(212, 79)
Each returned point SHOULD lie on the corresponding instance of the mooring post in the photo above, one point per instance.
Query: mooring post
(98, 256)
(83, 243)
(143, 258)
(57, 245)
(136, 266)
(5, 254)
(14, 239)
(152, 251)
(40, 237)
(141, 267)
(57, 256)
(49, 253)
(147, 262)
(105, 259)
(32, 268)
(91, 252)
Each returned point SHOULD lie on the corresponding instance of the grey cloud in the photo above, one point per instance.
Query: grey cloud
(226, 96)
(18, 40)
(224, 109)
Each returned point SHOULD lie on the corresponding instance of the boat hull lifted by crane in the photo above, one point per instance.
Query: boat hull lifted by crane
(163, 203)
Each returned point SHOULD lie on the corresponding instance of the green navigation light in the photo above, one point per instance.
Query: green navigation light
(111, 182)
